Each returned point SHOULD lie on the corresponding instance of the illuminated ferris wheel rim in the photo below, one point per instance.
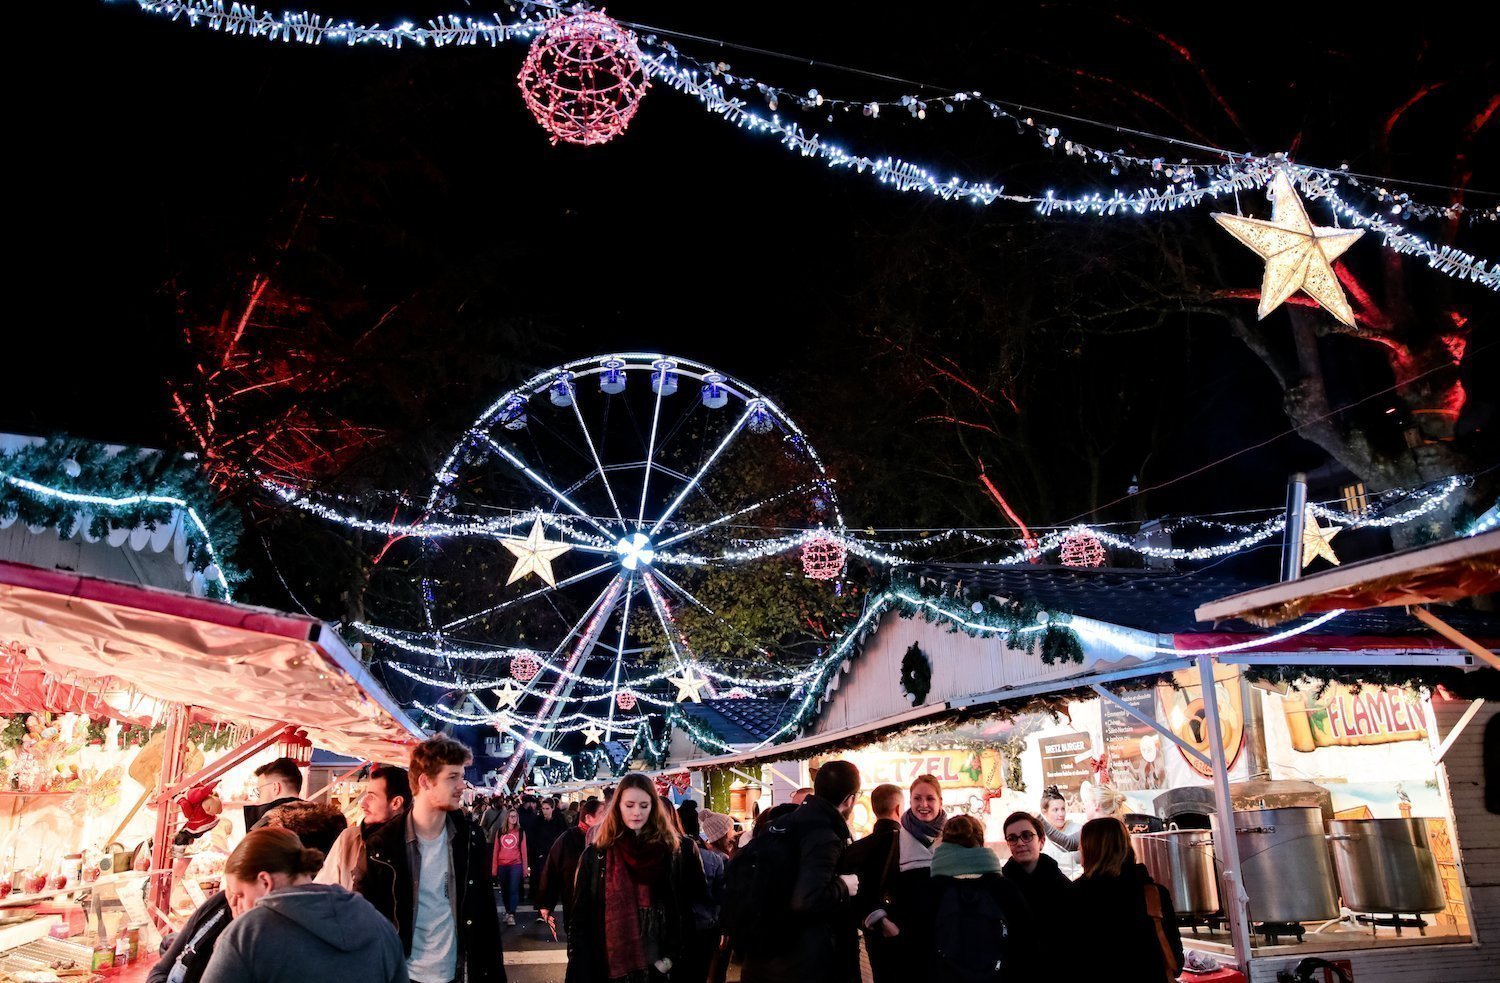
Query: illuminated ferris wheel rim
(626, 363)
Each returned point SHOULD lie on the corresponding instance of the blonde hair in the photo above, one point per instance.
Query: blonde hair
(658, 828)
(1105, 845)
(1107, 801)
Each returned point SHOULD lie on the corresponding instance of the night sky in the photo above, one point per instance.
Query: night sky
(158, 158)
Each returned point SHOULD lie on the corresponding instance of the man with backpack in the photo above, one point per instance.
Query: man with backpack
(785, 903)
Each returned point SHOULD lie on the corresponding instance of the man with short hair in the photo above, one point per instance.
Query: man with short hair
(821, 944)
(387, 794)
(875, 859)
(539, 839)
(555, 882)
(428, 872)
(276, 783)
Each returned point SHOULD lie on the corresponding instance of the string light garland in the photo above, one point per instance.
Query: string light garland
(1194, 186)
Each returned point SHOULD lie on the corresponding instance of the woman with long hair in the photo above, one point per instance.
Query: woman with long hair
(1132, 926)
(509, 864)
(287, 929)
(632, 916)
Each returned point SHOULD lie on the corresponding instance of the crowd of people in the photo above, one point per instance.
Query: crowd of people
(649, 893)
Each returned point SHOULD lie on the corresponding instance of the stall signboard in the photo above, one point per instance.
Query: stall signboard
(1135, 749)
(981, 768)
(1067, 760)
(1183, 712)
(1337, 716)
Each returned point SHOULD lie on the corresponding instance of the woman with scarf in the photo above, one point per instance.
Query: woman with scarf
(904, 918)
(632, 915)
(982, 927)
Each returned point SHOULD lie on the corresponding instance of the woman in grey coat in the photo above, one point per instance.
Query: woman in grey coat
(287, 929)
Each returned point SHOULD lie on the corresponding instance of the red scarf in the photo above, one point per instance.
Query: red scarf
(631, 867)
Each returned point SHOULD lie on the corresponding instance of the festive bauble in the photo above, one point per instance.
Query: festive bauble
(582, 78)
(823, 558)
(625, 700)
(738, 693)
(1082, 549)
(525, 667)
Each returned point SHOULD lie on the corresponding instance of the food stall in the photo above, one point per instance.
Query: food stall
(1266, 768)
(133, 696)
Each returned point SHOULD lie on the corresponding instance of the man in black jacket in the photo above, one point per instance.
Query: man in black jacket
(539, 839)
(874, 859)
(428, 871)
(821, 946)
(561, 869)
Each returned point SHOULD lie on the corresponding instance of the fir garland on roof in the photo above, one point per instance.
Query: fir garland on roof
(87, 468)
(984, 616)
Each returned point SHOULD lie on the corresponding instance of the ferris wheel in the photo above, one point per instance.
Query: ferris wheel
(616, 479)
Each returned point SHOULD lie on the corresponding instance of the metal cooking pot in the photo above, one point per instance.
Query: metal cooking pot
(1182, 861)
(1284, 865)
(1386, 865)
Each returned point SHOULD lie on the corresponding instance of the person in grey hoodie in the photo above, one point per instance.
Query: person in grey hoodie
(287, 929)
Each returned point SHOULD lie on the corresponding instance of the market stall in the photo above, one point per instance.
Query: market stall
(133, 697)
(1186, 730)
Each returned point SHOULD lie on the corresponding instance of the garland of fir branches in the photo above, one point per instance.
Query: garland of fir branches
(117, 473)
(1057, 642)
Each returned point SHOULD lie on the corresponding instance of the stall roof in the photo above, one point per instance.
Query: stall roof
(806, 746)
(1437, 573)
(738, 721)
(237, 663)
(1168, 601)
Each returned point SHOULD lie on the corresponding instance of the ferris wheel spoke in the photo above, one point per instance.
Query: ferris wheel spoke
(664, 618)
(588, 439)
(538, 592)
(525, 469)
(609, 727)
(640, 518)
(682, 496)
(688, 596)
(699, 530)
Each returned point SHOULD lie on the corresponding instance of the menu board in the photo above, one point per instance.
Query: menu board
(1135, 749)
(1067, 759)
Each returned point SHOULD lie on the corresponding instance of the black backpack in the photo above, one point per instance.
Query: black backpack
(970, 933)
(758, 883)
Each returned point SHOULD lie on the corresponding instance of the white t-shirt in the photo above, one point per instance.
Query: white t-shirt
(434, 937)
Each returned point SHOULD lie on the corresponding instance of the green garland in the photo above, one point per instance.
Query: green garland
(1478, 684)
(1057, 642)
(118, 474)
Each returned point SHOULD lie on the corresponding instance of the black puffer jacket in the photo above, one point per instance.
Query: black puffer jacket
(390, 884)
(680, 889)
(1046, 892)
(823, 946)
(1122, 940)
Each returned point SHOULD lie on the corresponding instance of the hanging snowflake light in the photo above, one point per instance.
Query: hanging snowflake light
(625, 700)
(1082, 548)
(823, 558)
(525, 667)
(582, 79)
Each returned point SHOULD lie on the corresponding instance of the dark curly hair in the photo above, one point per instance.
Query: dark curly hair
(316, 825)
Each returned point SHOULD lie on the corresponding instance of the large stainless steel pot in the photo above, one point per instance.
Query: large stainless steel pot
(1386, 865)
(1284, 865)
(1182, 861)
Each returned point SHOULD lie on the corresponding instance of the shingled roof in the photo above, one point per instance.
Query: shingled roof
(750, 720)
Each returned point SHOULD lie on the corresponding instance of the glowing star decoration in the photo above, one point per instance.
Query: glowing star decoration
(508, 695)
(583, 79)
(1298, 255)
(534, 554)
(593, 734)
(1317, 541)
(689, 686)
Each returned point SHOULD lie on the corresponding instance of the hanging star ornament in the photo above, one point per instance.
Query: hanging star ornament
(1298, 255)
(1317, 540)
(534, 554)
(688, 686)
(592, 734)
(508, 695)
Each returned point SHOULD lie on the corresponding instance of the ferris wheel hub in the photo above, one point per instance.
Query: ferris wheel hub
(635, 551)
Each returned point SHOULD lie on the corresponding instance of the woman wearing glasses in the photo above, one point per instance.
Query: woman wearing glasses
(1036, 875)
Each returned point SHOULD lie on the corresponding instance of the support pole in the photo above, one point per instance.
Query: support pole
(1455, 636)
(1291, 535)
(1225, 842)
(173, 745)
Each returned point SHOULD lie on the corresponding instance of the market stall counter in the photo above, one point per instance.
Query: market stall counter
(127, 701)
